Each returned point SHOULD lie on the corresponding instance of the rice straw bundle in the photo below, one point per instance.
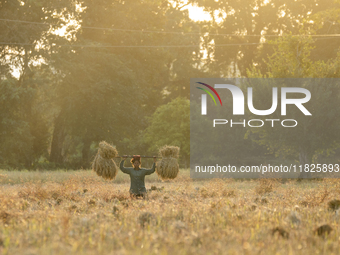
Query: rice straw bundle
(103, 163)
(107, 151)
(168, 167)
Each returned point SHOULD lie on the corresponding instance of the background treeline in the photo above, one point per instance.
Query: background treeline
(78, 72)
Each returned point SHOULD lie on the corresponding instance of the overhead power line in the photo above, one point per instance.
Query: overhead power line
(144, 46)
(130, 46)
(169, 32)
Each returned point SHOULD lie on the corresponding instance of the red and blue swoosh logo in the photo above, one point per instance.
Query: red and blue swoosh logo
(208, 92)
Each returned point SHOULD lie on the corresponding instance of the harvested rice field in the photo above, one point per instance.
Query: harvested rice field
(77, 212)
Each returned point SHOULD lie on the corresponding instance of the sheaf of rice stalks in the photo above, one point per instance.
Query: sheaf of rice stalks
(103, 163)
(168, 167)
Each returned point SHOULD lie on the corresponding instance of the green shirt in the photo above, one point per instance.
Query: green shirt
(137, 177)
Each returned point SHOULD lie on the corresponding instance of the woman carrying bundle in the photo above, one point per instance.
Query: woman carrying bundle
(137, 175)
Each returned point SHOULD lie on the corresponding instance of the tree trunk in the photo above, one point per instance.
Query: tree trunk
(304, 158)
(86, 152)
(27, 113)
(58, 140)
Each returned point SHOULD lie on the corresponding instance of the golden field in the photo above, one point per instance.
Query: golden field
(77, 212)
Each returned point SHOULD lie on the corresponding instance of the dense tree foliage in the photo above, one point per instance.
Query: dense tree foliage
(247, 24)
(97, 81)
(170, 124)
(73, 73)
(23, 47)
(316, 134)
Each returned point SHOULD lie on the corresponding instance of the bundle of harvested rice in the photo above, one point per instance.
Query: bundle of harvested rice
(168, 167)
(107, 151)
(103, 163)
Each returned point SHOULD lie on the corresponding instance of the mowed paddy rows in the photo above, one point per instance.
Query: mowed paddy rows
(78, 212)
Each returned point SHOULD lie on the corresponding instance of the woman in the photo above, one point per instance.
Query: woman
(137, 175)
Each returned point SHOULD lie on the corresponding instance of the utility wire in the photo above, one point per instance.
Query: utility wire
(145, 46)
(131, 46)
(167, 32)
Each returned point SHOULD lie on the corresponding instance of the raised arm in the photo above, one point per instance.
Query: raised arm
(124, 170)
(153, 168)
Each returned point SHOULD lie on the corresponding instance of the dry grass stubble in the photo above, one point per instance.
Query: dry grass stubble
(88, 215)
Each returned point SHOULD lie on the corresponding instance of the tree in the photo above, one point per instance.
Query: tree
(326, 21)
(170, 125)
(313, 134)
(241, 24)
(15, 136)
(106, 91)
(21, 50)
(96, 102)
